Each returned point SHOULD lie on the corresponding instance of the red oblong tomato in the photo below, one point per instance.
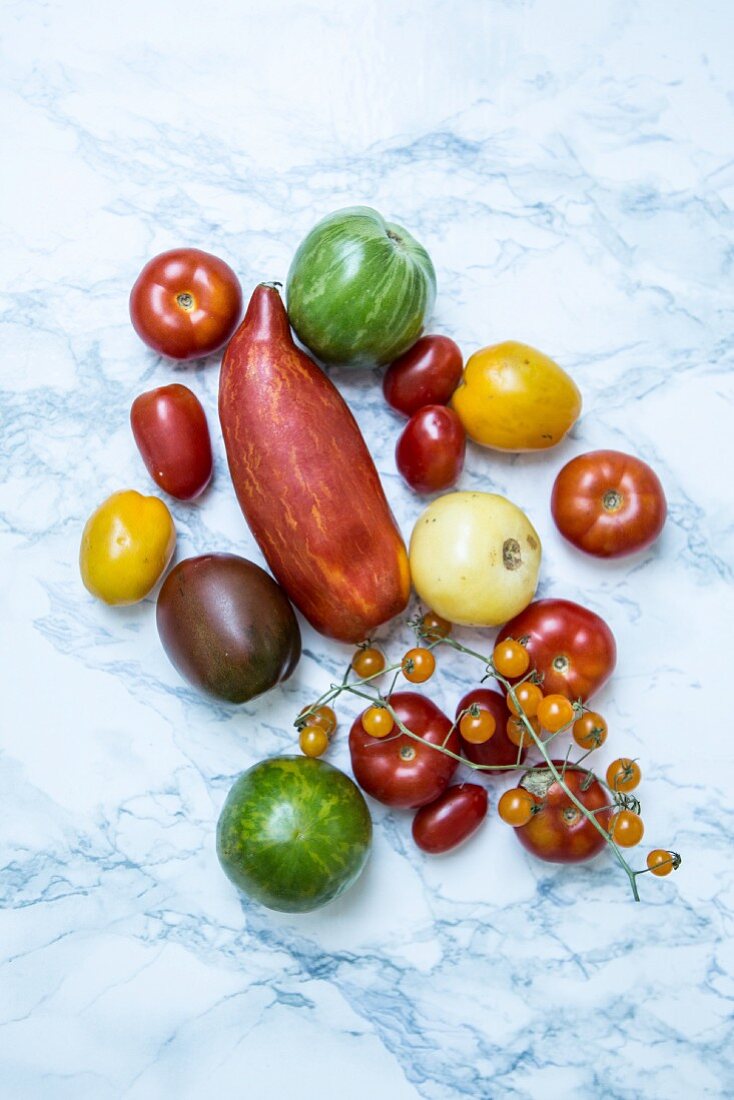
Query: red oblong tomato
(172, 436)
(571, 648)
(559, 832)
(399, 770)
(451, 819)
(430, 451)
(608, 503)
(185, 303)
(499, 749)
(426, 374)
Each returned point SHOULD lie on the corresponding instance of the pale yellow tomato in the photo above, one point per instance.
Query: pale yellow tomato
(126, 545)
(514, 398)
(474, 558)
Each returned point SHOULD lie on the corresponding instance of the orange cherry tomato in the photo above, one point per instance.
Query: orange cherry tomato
(623, 775)
(660, 862)
(528, 697)
(435, 626)
(590, 730)
(627, 829)
(418, 665)
(555, 712)
(323, 717)
(516, 807)
(518, 734)
(510, 658)
(477, 728)
(368, 662)
(313, 741)
(377, 722)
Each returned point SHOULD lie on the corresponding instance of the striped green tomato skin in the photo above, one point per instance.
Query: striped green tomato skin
(360, 289)
(294, 833)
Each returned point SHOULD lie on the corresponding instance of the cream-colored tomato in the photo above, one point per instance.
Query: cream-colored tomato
(514, 398)
(474, 558)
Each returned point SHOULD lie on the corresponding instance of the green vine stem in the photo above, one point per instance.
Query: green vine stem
(376, 698)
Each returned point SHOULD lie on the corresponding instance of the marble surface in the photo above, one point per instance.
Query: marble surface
(569, 167)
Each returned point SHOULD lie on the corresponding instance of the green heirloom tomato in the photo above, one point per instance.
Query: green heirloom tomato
(294, 833)
(360, 289)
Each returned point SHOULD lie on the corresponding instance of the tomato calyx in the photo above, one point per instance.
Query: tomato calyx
(612, 500)
(185, 301)
(511, 555)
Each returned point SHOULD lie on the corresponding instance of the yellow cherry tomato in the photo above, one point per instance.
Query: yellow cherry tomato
(514, 398)
(126, 545)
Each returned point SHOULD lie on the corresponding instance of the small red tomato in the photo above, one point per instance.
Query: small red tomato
(402, 771)
(426, 374)
(559, 832)
(185, 303)
(171, 433)
(608, 504)
(430, 450)
(571, 648)
(451, 819)
(499, 749)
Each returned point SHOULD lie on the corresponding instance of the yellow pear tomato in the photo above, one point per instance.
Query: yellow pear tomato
(514, 398)
(126, 545)
(474, 558)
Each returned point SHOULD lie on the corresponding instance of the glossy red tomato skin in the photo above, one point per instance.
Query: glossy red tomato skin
(451, 819)
(399, 771)
(571, 647)
(172, 435)
(426, 374)
(630, 520)
(190, 331)
(430, 451)
(559, 833)
(499, 749)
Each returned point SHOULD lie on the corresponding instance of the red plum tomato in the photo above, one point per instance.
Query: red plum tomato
(430, 451)
(426, 374)
(171, 433)
(451, 819)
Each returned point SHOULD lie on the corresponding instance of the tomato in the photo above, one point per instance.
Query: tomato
(555, 712)
(516, 807)
(430, 452)
(608, 504)
(426, 374)
(529, 697)
(377, 722)
(623, 775)
(590, 730)
(402, 771)
(451, 819)
(510, 658)
(323, 717)
(418, 665)
(368, 662)
(660, 862)
(627, 829)
(126, 545)
(518, 733)
(185, 303)
(559, 832)
(313, 741)
(171, 433)
(474, 558)
(571, 648)
(514, 398)
(499, 749)
(477, 728)
(433, 626)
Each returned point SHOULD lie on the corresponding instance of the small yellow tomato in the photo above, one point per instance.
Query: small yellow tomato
(126, 545)
(474, 558)
(514, 398)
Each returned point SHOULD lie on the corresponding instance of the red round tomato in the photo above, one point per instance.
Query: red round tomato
(571, 648)
(608, 504)
(451, 819)
(559, 832)
(399, 770)
(172, 436)
(185, 303)
(499, 749)
(430, 451)
(426, 374)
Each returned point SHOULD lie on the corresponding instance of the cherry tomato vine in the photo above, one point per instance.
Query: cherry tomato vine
(528, 707)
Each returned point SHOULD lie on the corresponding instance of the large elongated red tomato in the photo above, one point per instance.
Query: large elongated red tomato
(559, 832)
(571, 648)
(499, 749)
(172, 435)
(185, 303)
(608, 503)
(401, 771)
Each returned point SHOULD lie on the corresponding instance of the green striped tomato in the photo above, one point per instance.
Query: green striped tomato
(294, 833)
(360, 289)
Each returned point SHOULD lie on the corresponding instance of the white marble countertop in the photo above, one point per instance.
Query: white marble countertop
(569, 167)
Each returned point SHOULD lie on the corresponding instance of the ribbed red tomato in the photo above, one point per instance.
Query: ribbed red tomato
(451, 819)
(185, 303)
(571, 648)
(608, 504)
(430, 451)
(559, 832)
(400, 770)
(426, 374)
(499, 749)
(171, 432)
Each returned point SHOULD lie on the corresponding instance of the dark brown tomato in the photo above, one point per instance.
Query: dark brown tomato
(559, 832)
(227, 627)
(451, 819)
(426, 374)
(499, 749)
